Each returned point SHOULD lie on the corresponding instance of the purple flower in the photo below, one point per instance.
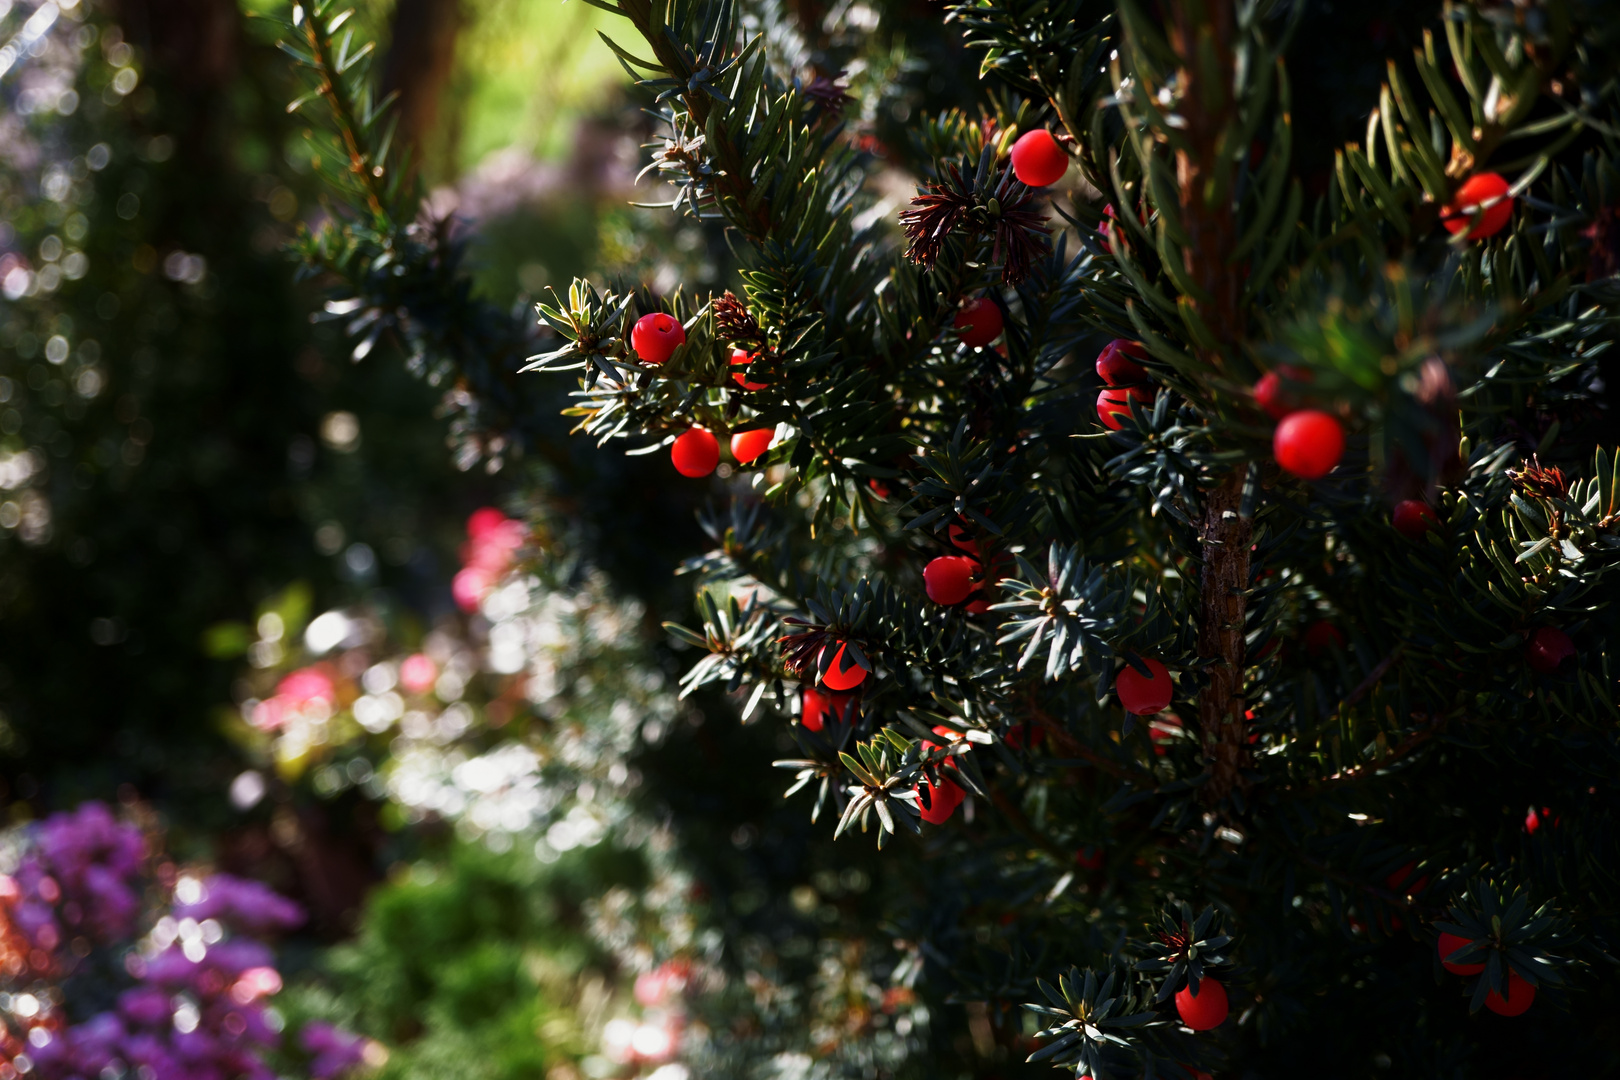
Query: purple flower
(90, 863)
(335, 1050)
(245, 906)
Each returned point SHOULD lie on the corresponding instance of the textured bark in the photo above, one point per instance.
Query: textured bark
(1201, 33)
(1226, 538)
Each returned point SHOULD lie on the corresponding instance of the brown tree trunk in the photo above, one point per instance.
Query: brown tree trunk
(421, 57)
(1201, 33)
(1226, 537)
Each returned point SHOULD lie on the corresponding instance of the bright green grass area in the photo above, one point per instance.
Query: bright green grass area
(526, 70)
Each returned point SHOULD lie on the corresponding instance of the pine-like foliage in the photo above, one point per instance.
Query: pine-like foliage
(1375, 735)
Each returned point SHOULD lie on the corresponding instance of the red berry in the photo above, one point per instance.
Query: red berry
(976, 607)
(1450, 943)
(943, 799)
(1114, 404)
(1089, 858)
(1412, 518)
(1037, 159)
(1103, 227)
(961, 538)
(1204, 1010)
(1532, 822)
(1117, 368)
(1548, 649)
(1462, 212)
(1268, 393)
(1273, 394)
(1025, 734)
(655, 336)
(842, 674)
(742, 358)
(1308, 443)
(748, 445)
(1400, 881)
(696, 453)
(1520, 995)
(949, 578)
(1163, 731)
(1141, 694)
(820, 706)
(1321, 636)
(979, 322)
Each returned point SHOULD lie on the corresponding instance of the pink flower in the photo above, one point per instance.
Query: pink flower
(492, 539)
(256, 983)
(469, 587)
(270, 714)
(484, 520)
(417, 673)
(305, 685)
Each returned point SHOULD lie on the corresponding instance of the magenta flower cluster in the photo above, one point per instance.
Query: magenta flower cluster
(195, 1004)
(82, 879)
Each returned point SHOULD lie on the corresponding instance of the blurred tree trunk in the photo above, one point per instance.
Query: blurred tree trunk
(421, 56)
(194, 50)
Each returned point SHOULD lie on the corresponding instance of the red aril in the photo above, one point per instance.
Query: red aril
(979, 322)
(949, 578)
(1204, 1010)
(748, 445)
(1116, 366)
(656, 336)
(1548, 649)
(1450, 943)
(742, 358)
(942, 798)
(819, 707)
(1141, 694)
(1037, 159)
(1322, 636)
(1467, 213)
(1114, 404)
(695, 453)
(1413, 518)
(1520, 995)
(1308, 443)
(842, 673)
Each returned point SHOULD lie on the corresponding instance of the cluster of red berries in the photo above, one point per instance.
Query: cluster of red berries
(1124, 381)
(696, 452)
(1520, 993)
